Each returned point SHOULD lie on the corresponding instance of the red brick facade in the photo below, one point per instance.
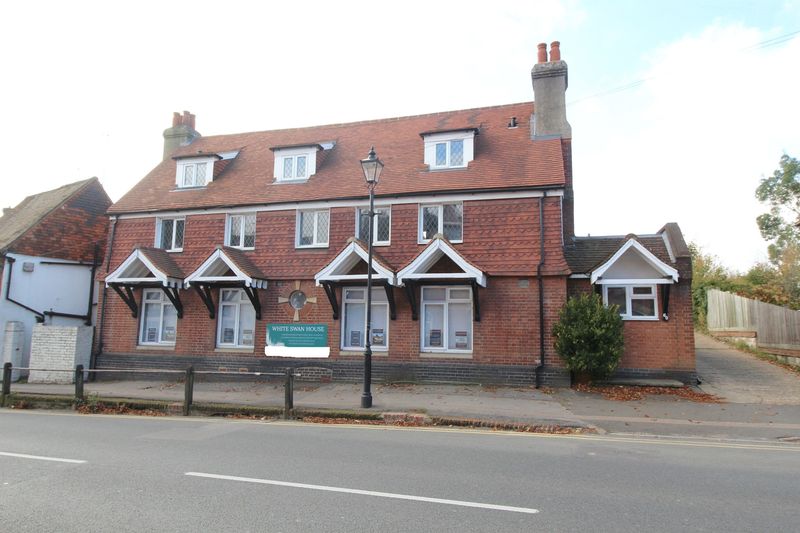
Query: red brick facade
(662, 346)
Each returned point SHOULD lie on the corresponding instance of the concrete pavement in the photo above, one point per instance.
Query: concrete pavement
(762, 401)
(523, 405)
(741, 377)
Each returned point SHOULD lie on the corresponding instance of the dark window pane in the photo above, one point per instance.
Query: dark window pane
(179, 225)
(456, 153)
(441, 154)
(643, 307)
(384, 221)
(166, 233)
(430, 221)
(453, 222)
(616, 296)
(363, 224)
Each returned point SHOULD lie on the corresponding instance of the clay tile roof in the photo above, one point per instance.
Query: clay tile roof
(31, 210)
(586, 253)
(164, 262)
(243, 262)
(504, 158)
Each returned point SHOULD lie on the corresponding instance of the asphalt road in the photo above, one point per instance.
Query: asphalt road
(258, 476)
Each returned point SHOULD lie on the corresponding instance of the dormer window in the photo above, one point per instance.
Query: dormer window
(449, 149)
(295, 167)
(195, 171)
(295, 163)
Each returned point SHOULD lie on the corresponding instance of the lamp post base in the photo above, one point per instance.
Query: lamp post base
(366, 400)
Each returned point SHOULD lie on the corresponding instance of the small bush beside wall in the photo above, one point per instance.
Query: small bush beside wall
(589, 336)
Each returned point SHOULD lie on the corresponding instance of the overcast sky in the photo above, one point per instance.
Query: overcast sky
(677, 111)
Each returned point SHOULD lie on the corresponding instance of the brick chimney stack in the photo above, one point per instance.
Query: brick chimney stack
(549, 92)
(181, 133)
(549, 120)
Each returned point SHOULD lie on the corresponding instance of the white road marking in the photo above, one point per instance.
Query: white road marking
(366, 493)
(42, 458)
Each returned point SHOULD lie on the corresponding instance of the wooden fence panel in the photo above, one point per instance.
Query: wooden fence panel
(775, 326)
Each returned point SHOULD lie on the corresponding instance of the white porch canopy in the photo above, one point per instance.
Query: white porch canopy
(418, 269)
(219, 268)
(634, 264)
(354, 253)
(139, 269)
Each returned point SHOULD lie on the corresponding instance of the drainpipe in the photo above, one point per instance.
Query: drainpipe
(105, 296)
(538, 369)
(39, 316)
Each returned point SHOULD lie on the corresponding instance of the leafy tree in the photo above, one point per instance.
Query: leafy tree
(589, 336)
(781, 191)
(707, 273)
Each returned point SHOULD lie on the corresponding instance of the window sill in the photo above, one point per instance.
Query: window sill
(310, 246)
(235, 349)
(445, 355)
(290, 181)
(173, 251)
(195, 188)
(445, 169)
(159, 347)
(640, 319)
(242, 248)
(353, 353)
(421, 241)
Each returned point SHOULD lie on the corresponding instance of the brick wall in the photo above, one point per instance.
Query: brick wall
(59, 347)
(657, 347)
(71, 230)
(508, 332)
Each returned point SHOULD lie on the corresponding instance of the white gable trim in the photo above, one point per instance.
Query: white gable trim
(327, 273)
(159, 276)
(647, 255)
(418, 268)
(199, 276)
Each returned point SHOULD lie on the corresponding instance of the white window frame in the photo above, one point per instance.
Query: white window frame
(317, 243)
(468, 139)
(159, 227)
(375, 306)
(421, 239)
(630, 296)
(445, 319)
(163, 301)
(193, 164)
(242, 300)
(310, 153)
(295, 176)
(241, 219)
(375, 240)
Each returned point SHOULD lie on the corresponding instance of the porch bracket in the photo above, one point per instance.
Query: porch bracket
(390, 296)
(330, 292)
(128, 298)
(411, 288)
(172, 294)
(205, 294)
(476, 303)
(252, 294)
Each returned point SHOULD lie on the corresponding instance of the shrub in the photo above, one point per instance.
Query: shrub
(589, 336)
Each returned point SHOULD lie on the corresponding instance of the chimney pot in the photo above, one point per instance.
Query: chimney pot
(542, 53)
(182, 132)
(555, 51)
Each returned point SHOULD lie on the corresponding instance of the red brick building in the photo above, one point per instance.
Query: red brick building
(231, 236)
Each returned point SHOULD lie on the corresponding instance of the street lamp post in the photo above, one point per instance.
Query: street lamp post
(372, 167)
